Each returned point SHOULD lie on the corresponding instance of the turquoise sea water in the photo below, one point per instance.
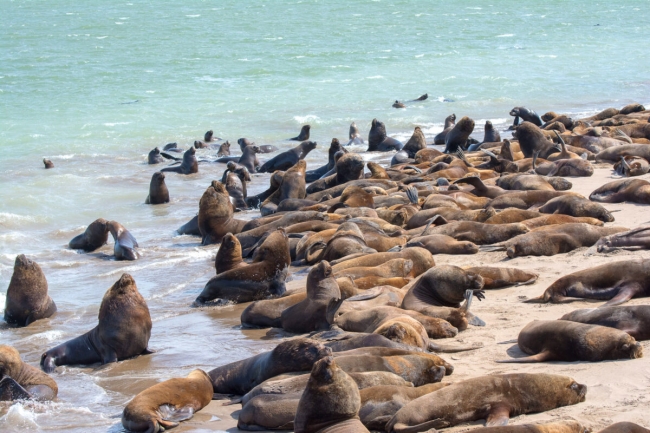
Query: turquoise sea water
(95, 85)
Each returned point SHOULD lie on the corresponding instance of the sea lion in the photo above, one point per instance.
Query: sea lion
(625, 190)
(349, 167)
(378, 141)
(421, 258)
(123, 331)
(444, 286)
(555, 427)
(562, 340)
(262, 278)
(312, 175)
(416, 143)
(267, 313)
(224, 149)
(636, 239)
(239, 377)
(564, 167)
(458, 135)
(613, 154)
(304, 134)
(27, 298)
(491, 135)
(495, 398)
(309, 314)
(154, 157)
(525, 182)
(526, 115)
(125, 243)
(633, 319)
(229, 255)
(158, 192)
(236, 188)
(617, 282)
(209, 136)
(630, 166)
(578, 207)
(443, 244)
(163, 405)
(172, 147)
(478, 233)
(216, 212)
(347, 240)
(47, 163)
(526, 199)
(624, 427)
(20, 381)
(188, 166)
(480, 189)
(190, 228)
(532, 140)
(249, 158)
(292, 186)
(330, 402)
(288, 159)
(264, 148)
(450, 121)
(95, 235)
(398, 104)
(496, 278)
(354, 135)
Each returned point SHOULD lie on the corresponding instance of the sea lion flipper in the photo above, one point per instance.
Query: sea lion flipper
(540, 357)
(429, 426)
(367, 294)
(173, 415)
(626, 291)
(11, 390)
(474, 320)
(499, 416)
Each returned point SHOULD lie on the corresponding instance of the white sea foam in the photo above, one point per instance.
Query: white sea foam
(117, 123)
(193, 16)
(48, 336)
(375, 77)
(307, 118)
(101, 37)
(6, 218)
(18, 416)
(506, 35)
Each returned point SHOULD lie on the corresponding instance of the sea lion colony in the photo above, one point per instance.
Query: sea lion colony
(374, 305)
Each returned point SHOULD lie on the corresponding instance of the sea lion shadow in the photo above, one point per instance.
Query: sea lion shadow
(276, 333)
(515, 352)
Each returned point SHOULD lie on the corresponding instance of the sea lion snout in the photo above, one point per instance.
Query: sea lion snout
(635, 350)
(48, 362)
(580, 390)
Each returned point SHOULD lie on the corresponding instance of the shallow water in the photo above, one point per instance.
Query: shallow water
(95, 87)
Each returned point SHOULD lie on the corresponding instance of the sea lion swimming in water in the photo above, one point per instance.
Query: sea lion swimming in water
(189, 165)
(304, 134)
(27, 297)
(94, 237)
(48, 163)
(288, 159)
(125, 243)
(354, 135)
(19, 381)
(154, 157)
(158, 192)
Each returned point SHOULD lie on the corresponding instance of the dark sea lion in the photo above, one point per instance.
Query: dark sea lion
(526, 115)
(239, 377)
(249, 158)
(304, 134)
(421, 258)
(496, 278)
(562, 340)
(445, 286)
(229, 255)
(154, 157)
(556, 427)
(125, 243)
(94, 237)
(224, 149)
(20, 381)
(309, 314)
(264, 148)
(416, 143)
(398, 104)
(478, 233)
(617, 282)
(123, 331)
(532, 140)
(158, 192)
(209, 136)
(188, 166)
(288, 159)
(526, 199)
(625, 190)
(216, 214)
(267, 313)
(48, 163)
(163, 405)
(491, 135)
(190, 228)
(633, 319)
(564, 167)
(578, 207)
(312, 175)
(636, 239)
(263, 277)
(624, 427)
(442, 244)
(330, 402)
(349, 167)
(495, 398)
(457, 137)
(27, 297)
(292, 186)
(378, 141)
(450, 121)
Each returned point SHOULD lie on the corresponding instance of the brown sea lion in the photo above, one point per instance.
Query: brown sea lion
(617, 282)
(562, 340)
(378, 140)
(422, 218)
(416, 143)
(636, 239)
(354, 135)
(312, 175)
(348, 167)
(421, 258)
(524, 182)
(532, 140)
(624, 427)
(304, 134)
(556, 427)
(21, 381)
(265, 276)
(94, 237)
(216, 214)
(249, 158)
(239, 377)
(289, 158)
(291, 187)
(458, 135)
(125, 243)
(450, 121)
(163, 405)
(394, 268)
(158, 192)
(48, 163)
(496, 278)
(613, 154)
(478, 233)
(27, 297)
(267, 313)
(224, 149)
(189, 165)
(633, 319)
(229, 255)
(579, 207)
(526, 199)
(264, 148)
(491, 135)
(347, 240)
(631, 166)
(123, 331)
(625, 190)
(513, 215)
(564, 167)
(495, 398)
(445, 286)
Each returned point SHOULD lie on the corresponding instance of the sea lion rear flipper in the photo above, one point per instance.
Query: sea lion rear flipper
(626, 291)
(412, 194)
(531, 281)
(429, 426)
(445, 348)
(540, 357)
(499, 416)
(490, 248)
(367, 294)
(174, 415)
(109, 356)
(168, 156)
(474, 320)
(11, 390)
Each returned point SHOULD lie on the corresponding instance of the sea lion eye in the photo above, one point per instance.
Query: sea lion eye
(625, 347)
(574, 386)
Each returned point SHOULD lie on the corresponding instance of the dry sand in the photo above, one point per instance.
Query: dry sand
(617, 390)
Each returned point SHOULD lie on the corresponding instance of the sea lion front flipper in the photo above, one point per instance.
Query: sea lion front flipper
(367, 294)
(174, 415)
(474, 320)
(499, 416)
(626, 291)
(147, 351)
(540, 357)
(11, 390)
(109, 356)
(446, 348)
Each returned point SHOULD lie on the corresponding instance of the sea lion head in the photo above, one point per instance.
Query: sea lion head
(219, 187)
(10, 361)
(303, 352)
(231, 244)
(231, 166)
(159, 177)
(208, 136)
(255, 149)
(465, 124)
(576, 391)
(515, 111)
(125, 285)
(308, 146)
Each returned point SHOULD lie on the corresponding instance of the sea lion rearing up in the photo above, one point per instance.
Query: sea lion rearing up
(123, 331)
(161, 406)
(158, 192)
(458, 135)
(526, 115)
(378, 141)
(262, 278)
(20, 381)
(216, 214)
(94, 237)
(532, 140)
(125, 243)
(188, 166)
(27, 297)
(304, 134)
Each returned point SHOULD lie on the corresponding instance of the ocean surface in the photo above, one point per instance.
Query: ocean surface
(95, 86)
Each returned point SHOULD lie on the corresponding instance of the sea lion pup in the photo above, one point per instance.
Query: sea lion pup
(163, 405)
(47, 163)
(158, 192)
(292, 186)
(263, 277)
(27, 298)
(416, 143)
(555, 427)
(478, 233)
(312, 175)
(450, 121)
(264, 148)
(216, 214)
(457, 137)
(480, 189)
(625, 190)
(618, 281)
(288, 159)
(378, 141)
(123, 331)
(249, 158)
(636, 239)
(348, 167)
(188, 166)
(532, 139)
(239, 377)
(94, 237)
(495, 398)
(154, 156)
(125, 243)
(22, 381)
(229, 255)
(330, 403)
(309, 314)
(630, 166)
(633, 319)
(496, 278)
(578, 207)
(526, 115)
(562, 340)
(304, 134)
(443, 244)
(624, 427)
